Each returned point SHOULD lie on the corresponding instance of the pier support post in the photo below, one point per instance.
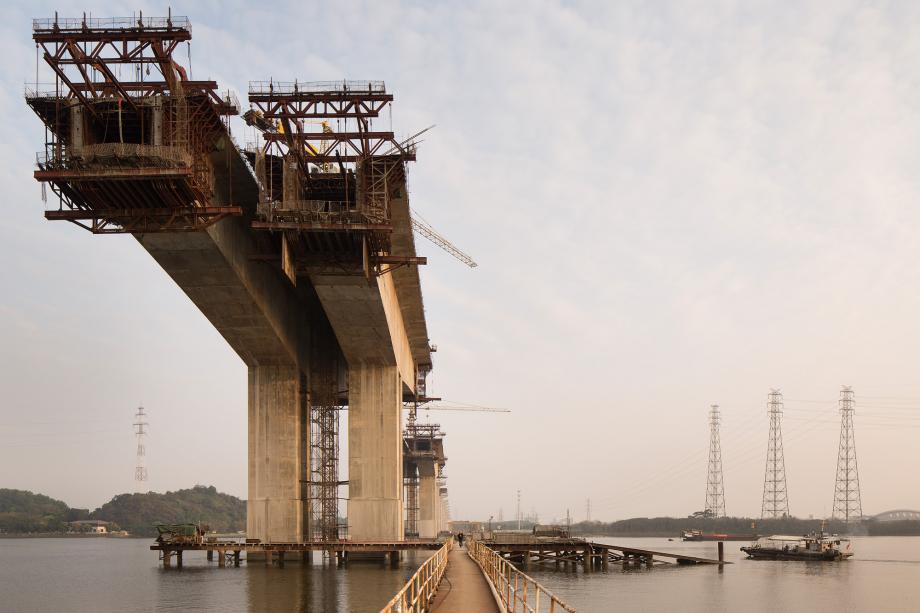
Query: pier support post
(588, 559)
(211, 555)
(268, 557)
(721, 551)
(236, 557)
(280, 559)
(394, 559)
(274, 509)
(167, 558)
(605, 561)
(179, 558)
(375, 481)
(221, 557)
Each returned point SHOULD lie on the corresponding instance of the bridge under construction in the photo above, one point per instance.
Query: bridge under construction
(299, 250)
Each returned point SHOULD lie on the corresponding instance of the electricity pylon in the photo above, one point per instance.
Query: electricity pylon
(715, 492)
(775, 497)
(847, 500)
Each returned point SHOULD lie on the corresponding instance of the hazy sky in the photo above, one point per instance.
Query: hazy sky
(672, 205)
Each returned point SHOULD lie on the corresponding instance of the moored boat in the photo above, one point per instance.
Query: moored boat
(699, 535)
(817, 547)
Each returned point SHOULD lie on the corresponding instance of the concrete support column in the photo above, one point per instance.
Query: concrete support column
(77, 128)
(274, 510)
(157, 117)
(429, 501)
(375, 480)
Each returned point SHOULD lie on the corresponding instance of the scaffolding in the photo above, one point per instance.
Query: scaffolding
(128, 153)
(421, 443)
(324, 411)
(328, 175)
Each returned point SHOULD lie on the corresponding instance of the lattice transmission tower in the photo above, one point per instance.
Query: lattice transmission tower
(847, 500)
(775, 497)
(715, 491)
(140, 468)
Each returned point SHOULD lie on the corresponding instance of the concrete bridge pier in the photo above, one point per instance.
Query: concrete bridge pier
(375, 490)
(429, 500)
(275, 507)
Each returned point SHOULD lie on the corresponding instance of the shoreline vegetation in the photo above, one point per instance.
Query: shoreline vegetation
(24, 514)
(671, 527)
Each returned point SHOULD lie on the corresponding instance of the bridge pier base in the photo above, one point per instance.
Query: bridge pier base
(274, 510)
(375, 482)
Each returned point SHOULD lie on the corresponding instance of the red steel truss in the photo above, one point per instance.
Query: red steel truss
(130, 155)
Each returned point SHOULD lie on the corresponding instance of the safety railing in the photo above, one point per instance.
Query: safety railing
(420, 589)
(157, 155)
(110, 23)
(315, 87)
(518, 592)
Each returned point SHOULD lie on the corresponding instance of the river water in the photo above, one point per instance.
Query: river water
(882, 577)
(122, 575)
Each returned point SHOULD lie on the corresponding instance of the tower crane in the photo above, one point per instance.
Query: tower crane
(422, 228)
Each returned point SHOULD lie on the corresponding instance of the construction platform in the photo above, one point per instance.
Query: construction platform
(229, 551)
(565, 551)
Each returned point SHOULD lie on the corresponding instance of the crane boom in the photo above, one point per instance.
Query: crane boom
(479, 409)
(428, 232)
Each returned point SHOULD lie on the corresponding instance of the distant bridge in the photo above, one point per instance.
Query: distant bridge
(897, 515)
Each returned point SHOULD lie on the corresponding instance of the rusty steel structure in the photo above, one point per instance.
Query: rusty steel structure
(325, 407)
(128, 154)
(326, 191)
(421, 443)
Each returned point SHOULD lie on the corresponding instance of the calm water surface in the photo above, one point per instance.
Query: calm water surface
(108, 575)
(883, 577)
(77, 575)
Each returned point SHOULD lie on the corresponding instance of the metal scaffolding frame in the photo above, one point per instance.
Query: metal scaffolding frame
(133, 154)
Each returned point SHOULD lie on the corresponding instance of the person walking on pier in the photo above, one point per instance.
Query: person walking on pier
(460, 539)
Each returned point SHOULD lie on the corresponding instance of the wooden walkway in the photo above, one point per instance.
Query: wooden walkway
(463, 587)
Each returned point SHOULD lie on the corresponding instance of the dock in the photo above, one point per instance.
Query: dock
(563, 552)
(229, 552)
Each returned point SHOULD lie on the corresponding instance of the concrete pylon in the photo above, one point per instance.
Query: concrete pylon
(275, 507)
(367, 320)
(375, 478)
(429, 500)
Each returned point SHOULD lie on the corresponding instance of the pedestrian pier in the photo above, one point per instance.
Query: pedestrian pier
(477, 579)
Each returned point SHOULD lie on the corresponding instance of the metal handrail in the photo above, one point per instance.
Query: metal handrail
(317, 87)
(517, 591)
(62, 156)
(422, 586)
(111, 23)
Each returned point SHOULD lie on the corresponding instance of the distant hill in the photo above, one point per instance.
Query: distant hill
(24, 512)
(137, 513)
